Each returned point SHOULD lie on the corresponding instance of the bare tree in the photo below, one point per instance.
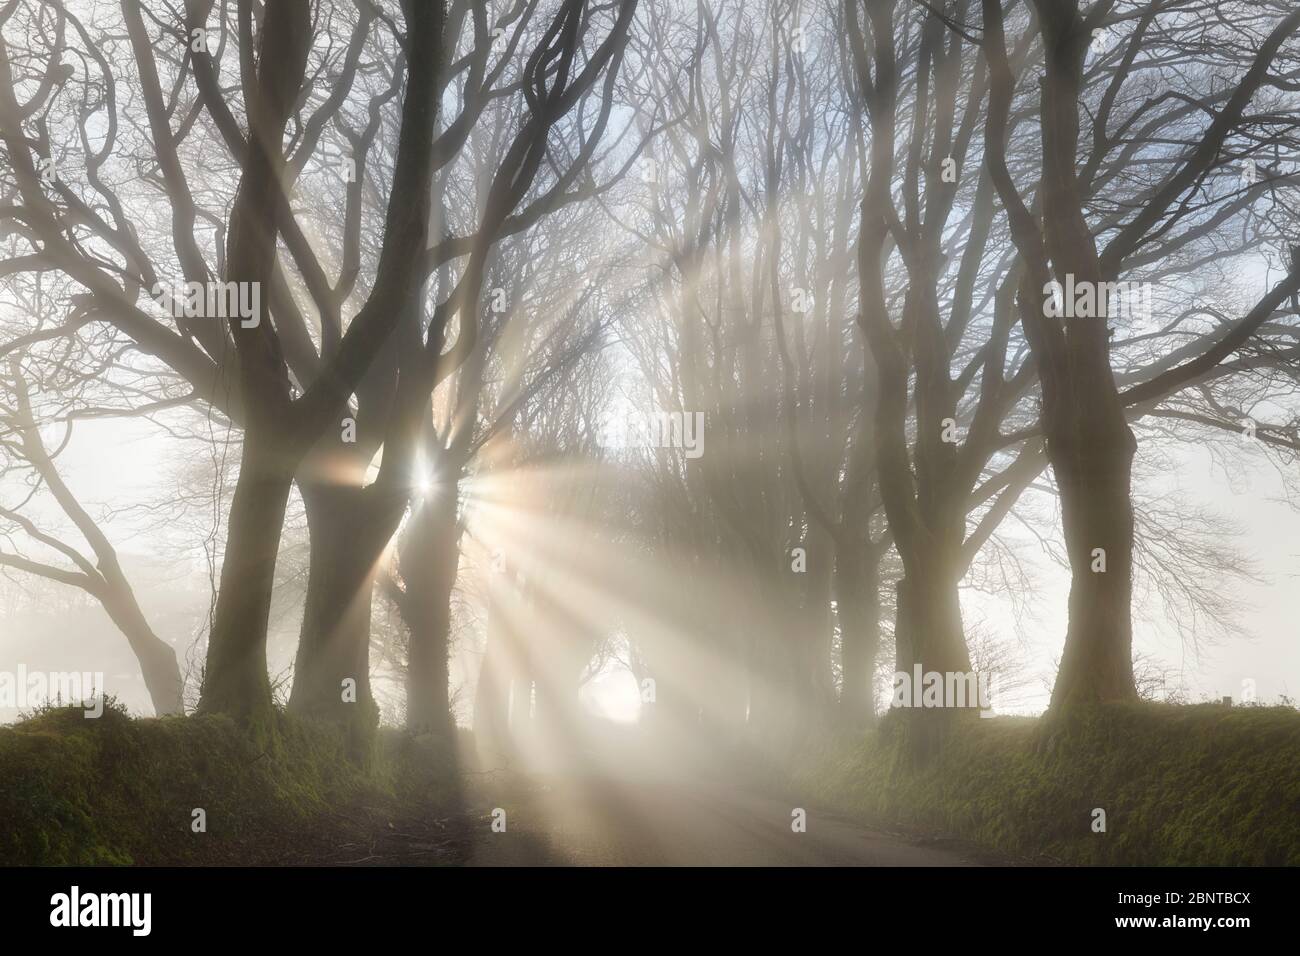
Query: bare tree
(99, 573)
(1089, 441)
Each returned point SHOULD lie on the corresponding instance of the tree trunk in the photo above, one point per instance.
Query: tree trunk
(902, 626)
(857, 602)
(162, 675)
(1089, 442)
(234, 680)
(429, 555)
(928, 632)
(1097, 514)
(929, 605)
(334, 643)
(935, 629)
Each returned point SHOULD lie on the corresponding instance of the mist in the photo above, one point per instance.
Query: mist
(649, 433)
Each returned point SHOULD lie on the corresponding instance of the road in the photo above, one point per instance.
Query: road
(604, 821)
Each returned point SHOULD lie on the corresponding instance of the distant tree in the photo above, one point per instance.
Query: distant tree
(26, 462)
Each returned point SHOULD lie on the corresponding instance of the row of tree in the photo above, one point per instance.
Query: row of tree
(836, 231)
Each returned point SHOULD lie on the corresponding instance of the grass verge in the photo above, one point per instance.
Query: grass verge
(121, 790)
(1179, 785)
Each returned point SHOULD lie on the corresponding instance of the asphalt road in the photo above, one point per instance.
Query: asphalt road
(598, 821)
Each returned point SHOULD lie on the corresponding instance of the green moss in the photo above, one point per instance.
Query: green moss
(117, 790)
(1180, 785)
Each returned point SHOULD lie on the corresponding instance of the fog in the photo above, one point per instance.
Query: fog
(544, 398)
